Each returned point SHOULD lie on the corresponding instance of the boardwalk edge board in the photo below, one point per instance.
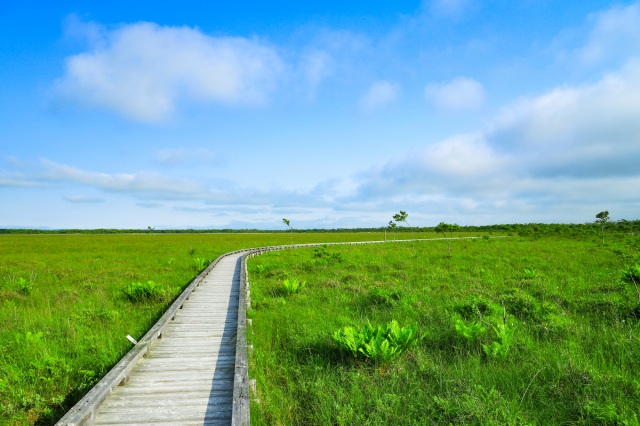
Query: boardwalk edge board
(84, 411)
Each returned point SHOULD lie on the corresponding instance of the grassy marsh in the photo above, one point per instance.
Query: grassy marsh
(573, 360)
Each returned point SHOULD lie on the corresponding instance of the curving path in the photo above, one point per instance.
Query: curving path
(190, 368)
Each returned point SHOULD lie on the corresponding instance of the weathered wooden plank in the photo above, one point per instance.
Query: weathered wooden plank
(162, 416)
(173, 392)
(206, 422)
(195, 398)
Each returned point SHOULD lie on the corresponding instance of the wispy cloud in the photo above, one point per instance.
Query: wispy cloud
(82, 199)
(142, 183)
(142, 71)
(315, 65)
(182, 156)
(451, 8)
(149, 205)
(458, 94)
(379, 94)
(615, 34)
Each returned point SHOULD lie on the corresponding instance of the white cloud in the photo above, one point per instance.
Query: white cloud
(143, 70)
(557, 155)
(576, 131)
(459, 93)
(462, 155)
(380, 94)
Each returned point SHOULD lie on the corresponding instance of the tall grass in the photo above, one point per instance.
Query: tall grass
(571, 324)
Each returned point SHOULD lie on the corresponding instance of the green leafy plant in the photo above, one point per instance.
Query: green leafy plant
(380, 343)
(137, 292)
(29, 337)
(469, 332)
(500, 347)
(290, 287)
(529, 273)
(24, 286)
(631, 275)
(200, 263)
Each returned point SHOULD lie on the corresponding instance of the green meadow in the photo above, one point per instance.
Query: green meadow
(537, 329)
(68, 301)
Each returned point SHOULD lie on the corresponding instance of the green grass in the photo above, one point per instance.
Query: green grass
(567, 351)
(68, 301)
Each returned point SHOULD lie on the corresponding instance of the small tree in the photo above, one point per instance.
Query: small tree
(392, 226)
(447, 228)
(601, 219)
(288, 223)
(402, 217)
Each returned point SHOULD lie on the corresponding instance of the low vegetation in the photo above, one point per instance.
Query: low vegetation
(540, 329)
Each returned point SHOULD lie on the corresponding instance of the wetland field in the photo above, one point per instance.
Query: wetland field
(541, 327)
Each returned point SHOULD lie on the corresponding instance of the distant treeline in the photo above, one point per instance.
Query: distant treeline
(624, 226)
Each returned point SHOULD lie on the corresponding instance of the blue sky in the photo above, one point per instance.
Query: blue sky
(332, 114)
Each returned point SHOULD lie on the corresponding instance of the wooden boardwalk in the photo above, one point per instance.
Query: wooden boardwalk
(187, 376)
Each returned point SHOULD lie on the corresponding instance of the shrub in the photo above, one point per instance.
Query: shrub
(524, 305)
(322, 256)
(474, 307)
